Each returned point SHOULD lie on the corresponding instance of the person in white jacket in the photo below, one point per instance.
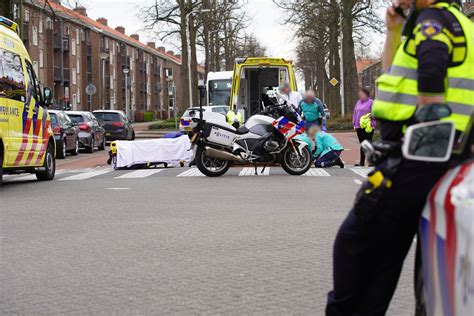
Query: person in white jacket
(291, 97)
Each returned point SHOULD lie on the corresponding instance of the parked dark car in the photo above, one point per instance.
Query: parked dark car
(91, 133)
(116, 125)
(66, 134)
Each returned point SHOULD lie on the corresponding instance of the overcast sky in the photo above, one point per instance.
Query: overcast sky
(265, 22)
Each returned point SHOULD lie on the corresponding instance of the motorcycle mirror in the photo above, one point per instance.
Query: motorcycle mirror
(429, 141)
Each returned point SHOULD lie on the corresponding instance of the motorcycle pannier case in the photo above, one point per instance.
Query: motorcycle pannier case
(219, 134)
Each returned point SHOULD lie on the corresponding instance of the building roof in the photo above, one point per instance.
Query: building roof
(101, 28)
(364, 63)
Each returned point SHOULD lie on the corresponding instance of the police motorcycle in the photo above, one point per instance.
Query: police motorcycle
(265, 138)
(445, 248)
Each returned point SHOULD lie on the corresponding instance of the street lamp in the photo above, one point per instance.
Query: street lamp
(103, 58)
(127, 111)
(188, 36)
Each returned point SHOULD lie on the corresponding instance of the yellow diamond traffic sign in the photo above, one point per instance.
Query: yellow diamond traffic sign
(334, 82)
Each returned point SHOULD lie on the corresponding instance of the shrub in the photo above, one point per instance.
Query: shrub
(167, 124)
(148, 116)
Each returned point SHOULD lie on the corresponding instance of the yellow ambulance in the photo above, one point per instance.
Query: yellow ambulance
(26, 138)
(255, 78)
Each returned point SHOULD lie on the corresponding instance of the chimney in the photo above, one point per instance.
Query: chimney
(170, 52)
(120, 29)
(135, 37)
(80, 10)
(102, 21)
(151, 44)
(161, 49)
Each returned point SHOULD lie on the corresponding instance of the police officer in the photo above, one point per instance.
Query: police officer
(428, 61)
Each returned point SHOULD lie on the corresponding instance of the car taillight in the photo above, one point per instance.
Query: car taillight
(57, 130)
(84, 127)
(118, 124)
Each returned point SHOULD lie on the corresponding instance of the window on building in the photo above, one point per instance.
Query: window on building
(34, 37)
(12, 79)
(49, 23)
(66, 30)
(78, 95)
(40, 25)
(73, 75)
(27, 16)
(73, 47)
(78, 65)
(106, 44)
(35, 66)
(41, 58)
(78, 39)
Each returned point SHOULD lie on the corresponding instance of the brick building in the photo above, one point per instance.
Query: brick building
(69, 50)
(369, 74)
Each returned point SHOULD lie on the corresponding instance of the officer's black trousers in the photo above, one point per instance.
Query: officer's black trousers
(368, 255)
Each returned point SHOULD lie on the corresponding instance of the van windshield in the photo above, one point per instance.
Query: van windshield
(219, 91)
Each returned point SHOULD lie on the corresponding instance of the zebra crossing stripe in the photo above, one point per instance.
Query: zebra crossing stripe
(193, 172)
(139, 174)
(363, 172)
(250, 171)
(22, 178)
(315, 172)
(86, 175)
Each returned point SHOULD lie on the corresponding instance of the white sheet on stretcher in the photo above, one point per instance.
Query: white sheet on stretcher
(169, 150)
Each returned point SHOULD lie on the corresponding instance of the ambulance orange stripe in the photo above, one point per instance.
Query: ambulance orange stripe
(24, 142)
(45, 142)
(35, 141)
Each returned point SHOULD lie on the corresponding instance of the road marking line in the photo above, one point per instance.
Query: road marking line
(357, 181)
(193, 172)
(139, 174)
(86, 175)
(119, 189)
(315, 172)
(361, 171)
(250, 171)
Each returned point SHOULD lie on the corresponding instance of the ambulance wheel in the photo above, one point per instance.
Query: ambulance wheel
(61, 153)
(103, 144)
(49, 165)
(75, 151)
(211, 167)
(295, 164)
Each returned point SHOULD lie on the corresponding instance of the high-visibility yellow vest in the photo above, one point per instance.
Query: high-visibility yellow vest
(397, 90)
(233, 117)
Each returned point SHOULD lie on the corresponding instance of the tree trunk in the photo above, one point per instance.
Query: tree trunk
(194, 70)
(184, 56)
(350, 76)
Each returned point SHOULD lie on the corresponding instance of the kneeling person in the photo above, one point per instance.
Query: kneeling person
(328, 150)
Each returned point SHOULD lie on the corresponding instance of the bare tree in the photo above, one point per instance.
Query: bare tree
(322, 27)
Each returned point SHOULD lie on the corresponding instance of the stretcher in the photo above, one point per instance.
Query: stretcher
(146, 153)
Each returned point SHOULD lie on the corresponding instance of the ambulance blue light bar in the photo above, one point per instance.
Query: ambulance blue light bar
(9, 23)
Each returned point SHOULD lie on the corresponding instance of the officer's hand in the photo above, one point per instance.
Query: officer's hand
(324, 128)
(393, 20)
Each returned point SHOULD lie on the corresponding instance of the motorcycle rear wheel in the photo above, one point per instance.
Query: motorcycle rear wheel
(211, 167)
(294, 164)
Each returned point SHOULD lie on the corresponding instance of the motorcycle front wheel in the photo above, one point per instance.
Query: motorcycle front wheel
(294, 163)
(211, 167)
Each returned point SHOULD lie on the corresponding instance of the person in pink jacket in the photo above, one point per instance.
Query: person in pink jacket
(362, 107)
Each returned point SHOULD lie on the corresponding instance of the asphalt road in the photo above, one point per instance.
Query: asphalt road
(97, 241)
